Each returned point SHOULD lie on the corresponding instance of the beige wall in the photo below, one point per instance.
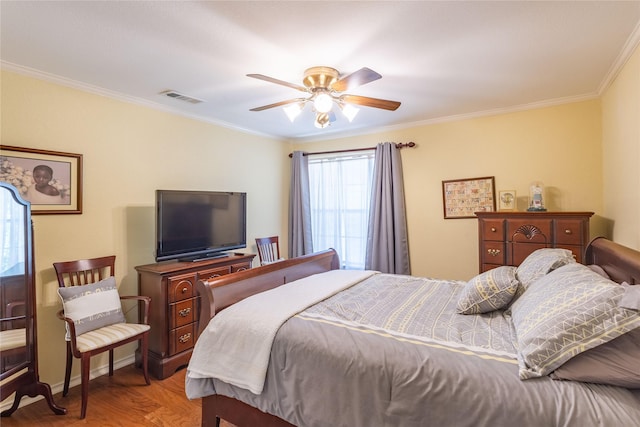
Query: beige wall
(621, 153)
(586, 153)
(129, 151)
(560, 146)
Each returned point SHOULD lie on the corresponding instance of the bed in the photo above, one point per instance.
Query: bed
(301, 343)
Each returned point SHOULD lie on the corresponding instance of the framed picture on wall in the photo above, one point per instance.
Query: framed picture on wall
(50, 180)
(463, 197)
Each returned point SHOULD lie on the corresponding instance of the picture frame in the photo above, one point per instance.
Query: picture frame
(463, 197)
(507, 200)
(61, 194)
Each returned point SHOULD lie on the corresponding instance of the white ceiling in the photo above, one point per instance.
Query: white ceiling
(441, 60)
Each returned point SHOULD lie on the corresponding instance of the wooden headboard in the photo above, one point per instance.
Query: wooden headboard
(621, 263)
(221, 292)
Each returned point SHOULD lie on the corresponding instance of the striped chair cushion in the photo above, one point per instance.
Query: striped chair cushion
(13, 338)
(108, 335)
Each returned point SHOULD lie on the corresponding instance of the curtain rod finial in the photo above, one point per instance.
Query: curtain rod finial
(408, 144)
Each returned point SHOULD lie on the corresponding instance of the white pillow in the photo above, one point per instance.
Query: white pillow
(92, 306)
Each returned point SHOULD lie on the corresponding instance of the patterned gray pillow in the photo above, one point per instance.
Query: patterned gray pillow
(488, 291)
(541, 262)
(92, 306)
(565, 313)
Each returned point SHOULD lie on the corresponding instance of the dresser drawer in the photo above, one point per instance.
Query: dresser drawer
(182, 313)
(530, 230)
(493, 229)
(518, 251)
(212, 273)
(569, 231)
(240, 267)
(183, 338)
(493, 253)
(181, 287)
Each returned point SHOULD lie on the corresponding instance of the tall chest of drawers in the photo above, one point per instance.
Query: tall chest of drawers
(507, 238)
(174, 310)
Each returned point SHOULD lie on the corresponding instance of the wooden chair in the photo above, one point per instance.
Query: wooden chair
(268, 249)
(105, 338)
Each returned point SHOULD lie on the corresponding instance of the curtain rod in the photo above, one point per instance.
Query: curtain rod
(398, 146)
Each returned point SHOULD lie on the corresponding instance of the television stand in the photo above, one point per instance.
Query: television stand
(205, 257)
(173, 314)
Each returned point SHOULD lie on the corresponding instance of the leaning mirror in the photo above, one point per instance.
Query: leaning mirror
(14, 283)
(18, 337)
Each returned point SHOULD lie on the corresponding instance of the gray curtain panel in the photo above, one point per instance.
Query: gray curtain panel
(387, 240)
(300, 241)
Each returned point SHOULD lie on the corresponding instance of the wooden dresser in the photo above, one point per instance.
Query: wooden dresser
(175, 305)
(507, 238)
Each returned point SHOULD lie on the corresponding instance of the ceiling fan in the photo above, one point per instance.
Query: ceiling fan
(324, 87)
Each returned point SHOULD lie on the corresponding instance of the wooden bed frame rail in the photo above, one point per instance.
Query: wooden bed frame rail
(621, 263)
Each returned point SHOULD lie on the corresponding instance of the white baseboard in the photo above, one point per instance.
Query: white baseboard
(74, 381)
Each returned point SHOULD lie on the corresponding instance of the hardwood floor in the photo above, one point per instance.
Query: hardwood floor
(120, 400)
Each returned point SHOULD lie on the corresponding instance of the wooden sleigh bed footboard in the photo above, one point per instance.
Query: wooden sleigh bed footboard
(220, 293)
(621, 263)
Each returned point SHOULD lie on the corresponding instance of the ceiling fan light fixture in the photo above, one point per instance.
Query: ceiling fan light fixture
(293, 110)
(322, 120)
(323, 102)
(323, 87)
(349, 111)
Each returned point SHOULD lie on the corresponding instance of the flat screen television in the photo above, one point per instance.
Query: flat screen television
(193, 225)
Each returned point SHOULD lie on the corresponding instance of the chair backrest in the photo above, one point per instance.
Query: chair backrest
(268, 249)
(84, 271)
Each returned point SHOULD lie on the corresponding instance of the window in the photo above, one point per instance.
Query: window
(340, 190)
(12, 236)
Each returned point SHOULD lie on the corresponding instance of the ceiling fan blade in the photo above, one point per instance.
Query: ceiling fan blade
(370, 102)
(357, 78)
(278, 104)
(279, 82)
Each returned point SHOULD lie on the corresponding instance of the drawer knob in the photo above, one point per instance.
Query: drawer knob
(184, 290)
(567, 231)
(184, 338)
(213, 276)
(242, 269)
(493, 252)
(493, 229)
(184, 312)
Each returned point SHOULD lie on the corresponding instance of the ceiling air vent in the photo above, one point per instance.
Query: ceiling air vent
(176, 95)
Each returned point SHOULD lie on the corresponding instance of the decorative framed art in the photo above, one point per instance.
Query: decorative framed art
(463, 197)
(50, 180)
(507, 200)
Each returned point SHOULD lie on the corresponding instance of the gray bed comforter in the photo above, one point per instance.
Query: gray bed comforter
(392, 351)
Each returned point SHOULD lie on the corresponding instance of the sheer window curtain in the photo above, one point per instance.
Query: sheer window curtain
(340, 191)
(387, 241)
